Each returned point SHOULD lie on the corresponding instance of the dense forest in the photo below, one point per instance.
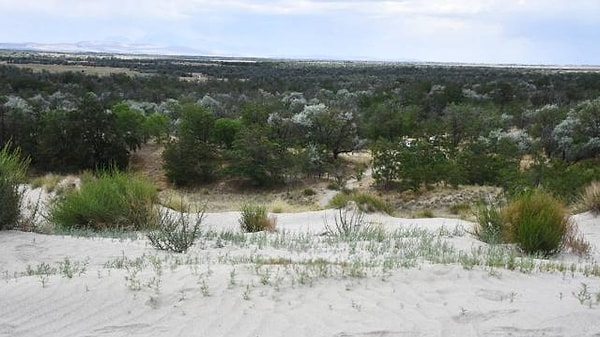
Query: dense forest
(273, 122)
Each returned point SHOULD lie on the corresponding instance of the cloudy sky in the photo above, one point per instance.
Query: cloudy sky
(482, 31)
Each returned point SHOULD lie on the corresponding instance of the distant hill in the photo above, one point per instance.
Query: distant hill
(105, 47)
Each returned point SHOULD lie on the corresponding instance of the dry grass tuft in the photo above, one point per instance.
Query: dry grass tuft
(590, 198)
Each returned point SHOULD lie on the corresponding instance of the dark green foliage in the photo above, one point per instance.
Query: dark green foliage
(562, 178)
(192, 158)
(257, 158)
(410, 163)
(156, 126)
(12, 172)
(86, 138)
(536, 222)
(113, 199)
(129, 124)
(226, 130)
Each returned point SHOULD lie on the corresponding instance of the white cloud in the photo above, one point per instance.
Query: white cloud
(520, 31)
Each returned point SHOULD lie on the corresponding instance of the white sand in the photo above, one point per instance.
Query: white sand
(425, 300)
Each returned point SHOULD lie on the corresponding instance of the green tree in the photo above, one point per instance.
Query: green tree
(332, 130)
(226, 130)
(130, 124)
(192, 158)
(156, 125)
(257, 158)
(578, 135)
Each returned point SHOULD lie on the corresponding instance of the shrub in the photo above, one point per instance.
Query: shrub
(307, 192)
(12, 171)
(349, 223)
(175, 233)
(536, 222)
(254, 218)
(489, 224)
(113, 199)
(366, 202)
(590, 198)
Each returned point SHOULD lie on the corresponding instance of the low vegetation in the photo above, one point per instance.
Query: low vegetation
(365, 201)
(13, 169)
(536, 222)
(590, 198)
(112, 199)
(254, 218)
(175, 232)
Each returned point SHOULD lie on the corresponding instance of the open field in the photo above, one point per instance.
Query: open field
(86, 70)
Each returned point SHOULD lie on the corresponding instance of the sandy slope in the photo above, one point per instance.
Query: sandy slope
(202, 298)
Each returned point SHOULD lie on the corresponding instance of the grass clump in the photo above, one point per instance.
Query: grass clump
(13, 169)
(112, 199)
(590, 198)
(489, 224)
(366, 202)
(254, 218)
(536, 222)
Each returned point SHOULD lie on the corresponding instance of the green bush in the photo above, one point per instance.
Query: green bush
(12, 171)
(113, 199)
(536, 222)
(366, 202)
(254, 218)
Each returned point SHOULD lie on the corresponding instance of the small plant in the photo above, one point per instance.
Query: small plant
(308, 192)
(489, 225)
(175, 233)
(584, 295)
(12, 172)
(590, 198)
(574, 240)
(254, 218)
(536, 222)
(349, 222)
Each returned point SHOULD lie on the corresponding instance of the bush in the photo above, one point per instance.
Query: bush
(489, 224)
(12, 171)
(366, 202)
(590, 198)
(254, 218)
(349, 223)
(114, 199)
(536, 222)
(175, 233)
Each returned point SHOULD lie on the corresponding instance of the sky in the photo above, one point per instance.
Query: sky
(554, 32)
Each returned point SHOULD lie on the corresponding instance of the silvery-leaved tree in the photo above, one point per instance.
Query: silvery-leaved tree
(578, 135)
(332, 130)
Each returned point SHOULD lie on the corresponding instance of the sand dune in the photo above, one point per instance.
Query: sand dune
(109, 287)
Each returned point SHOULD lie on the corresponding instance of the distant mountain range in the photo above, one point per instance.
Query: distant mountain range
(105, 47)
